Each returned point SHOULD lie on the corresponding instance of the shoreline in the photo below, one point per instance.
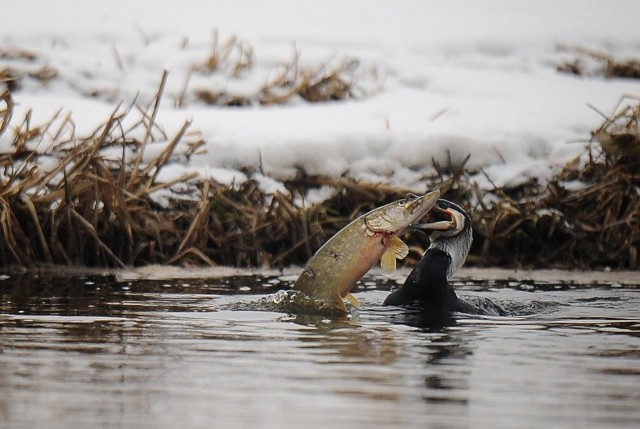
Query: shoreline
(168, 272)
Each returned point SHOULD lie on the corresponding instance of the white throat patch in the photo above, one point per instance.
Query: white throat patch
(455, 243)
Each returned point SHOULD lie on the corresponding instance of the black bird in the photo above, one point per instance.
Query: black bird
(428, 285)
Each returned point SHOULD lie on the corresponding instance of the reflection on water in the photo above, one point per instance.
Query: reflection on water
(93, 352)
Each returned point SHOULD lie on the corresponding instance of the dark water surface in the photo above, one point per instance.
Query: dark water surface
(92, 352)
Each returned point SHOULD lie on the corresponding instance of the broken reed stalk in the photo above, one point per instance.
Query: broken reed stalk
(198, 225)
(5, 111)
(152, 120)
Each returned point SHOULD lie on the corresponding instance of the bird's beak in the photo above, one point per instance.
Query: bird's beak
(439, 220)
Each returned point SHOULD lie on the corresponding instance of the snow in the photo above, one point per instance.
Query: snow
(438, 81)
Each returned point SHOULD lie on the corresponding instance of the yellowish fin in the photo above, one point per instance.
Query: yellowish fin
(339, 304)
(388, 263)
(353, 300)
(396, 248)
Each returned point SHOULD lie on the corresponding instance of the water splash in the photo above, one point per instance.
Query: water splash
(289, 301)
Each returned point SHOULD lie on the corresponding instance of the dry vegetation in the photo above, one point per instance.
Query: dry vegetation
(588, 215)
(88, 208)
(13, 77)
(609, 66)
(229, 60)
(232, 57)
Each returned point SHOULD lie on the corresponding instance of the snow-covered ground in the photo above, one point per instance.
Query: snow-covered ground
(438, 80)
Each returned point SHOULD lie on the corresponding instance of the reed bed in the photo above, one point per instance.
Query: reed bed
(89, 208)
(74, 203)
(587, 216)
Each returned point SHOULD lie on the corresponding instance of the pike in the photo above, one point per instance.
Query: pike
(335, 268)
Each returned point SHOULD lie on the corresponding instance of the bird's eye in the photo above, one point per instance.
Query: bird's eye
(411, 197)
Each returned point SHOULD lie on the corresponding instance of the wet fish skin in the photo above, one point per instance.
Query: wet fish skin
(335, 268)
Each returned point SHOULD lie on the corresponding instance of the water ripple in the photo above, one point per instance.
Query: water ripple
(170, 354)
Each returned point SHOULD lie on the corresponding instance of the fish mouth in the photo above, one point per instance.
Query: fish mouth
(396, 217)
(416, 205)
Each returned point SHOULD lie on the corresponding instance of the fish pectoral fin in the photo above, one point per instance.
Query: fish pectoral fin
(388, 262)
(397, 246)
(353, 300)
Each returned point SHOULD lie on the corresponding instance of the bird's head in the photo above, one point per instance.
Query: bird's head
(451, 232)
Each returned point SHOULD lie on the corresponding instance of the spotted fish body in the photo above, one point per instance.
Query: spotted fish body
(333, 271)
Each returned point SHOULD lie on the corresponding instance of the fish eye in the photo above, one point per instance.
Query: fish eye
(410, 197)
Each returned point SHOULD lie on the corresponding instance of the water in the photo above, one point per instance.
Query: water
(80, 352)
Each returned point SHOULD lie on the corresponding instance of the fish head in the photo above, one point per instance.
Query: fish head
(396, 217)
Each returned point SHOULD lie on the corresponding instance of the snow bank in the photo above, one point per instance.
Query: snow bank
(442, 80)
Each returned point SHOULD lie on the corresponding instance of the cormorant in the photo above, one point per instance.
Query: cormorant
(427, 285)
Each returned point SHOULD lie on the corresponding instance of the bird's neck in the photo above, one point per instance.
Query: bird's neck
(431, 285)
(456, 249)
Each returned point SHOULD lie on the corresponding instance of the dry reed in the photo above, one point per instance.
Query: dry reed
(93, 209)
(228, 61)
(88, 209)
(587, 216)
(335, 80)
(610, 67)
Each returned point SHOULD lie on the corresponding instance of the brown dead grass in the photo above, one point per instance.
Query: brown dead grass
(231, 59)
(595, 225)
(88, 209)
(610, 67)
(619, 135)
(91, 209)
(13, 77)
(330, 82)
(335, 80)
